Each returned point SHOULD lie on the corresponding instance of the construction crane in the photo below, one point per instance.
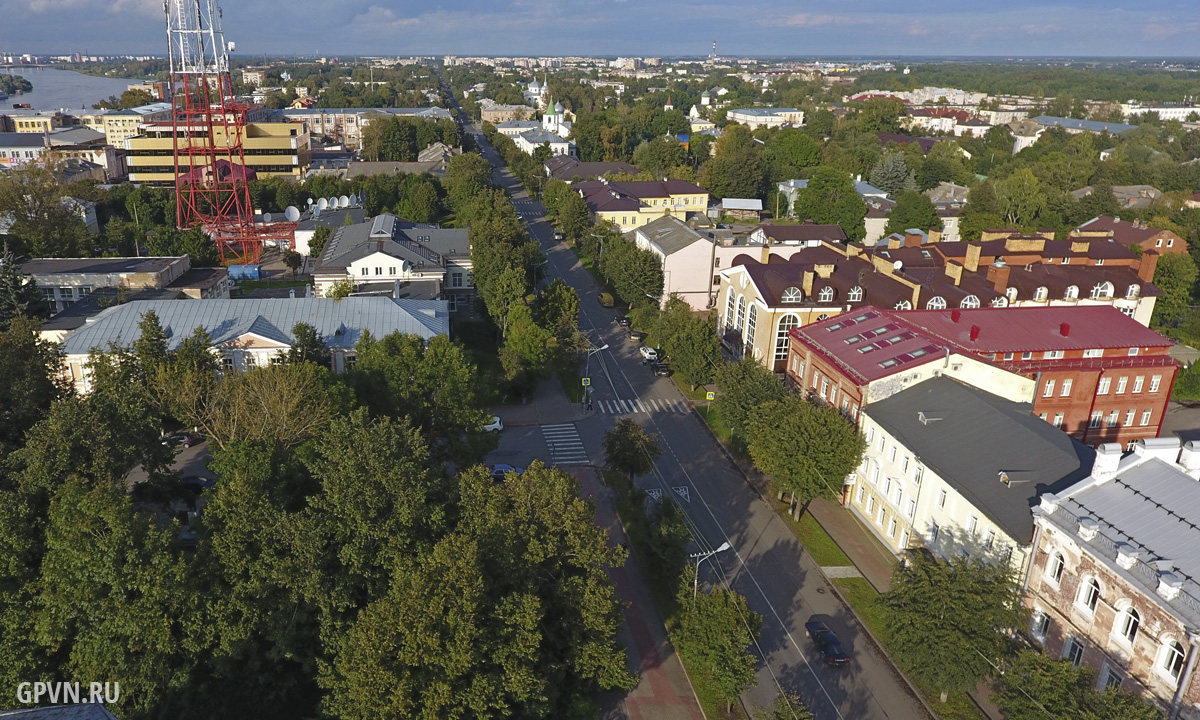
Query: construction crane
(208, 126)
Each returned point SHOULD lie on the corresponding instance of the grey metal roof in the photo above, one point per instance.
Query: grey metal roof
(341, 322)
(670, 234)
(1095, 126)
(540, 135)
(96, 266)
(428, 247)
(14, 139)
(968, 437)
(741, 203)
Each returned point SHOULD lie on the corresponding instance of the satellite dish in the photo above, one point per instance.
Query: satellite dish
(267, 217)
(322, 204)
(331, 203)
(232, 46)
(310, 201)
(897, 265)
(344, 201)
(361, 197)
(291, 214)
(317, 212)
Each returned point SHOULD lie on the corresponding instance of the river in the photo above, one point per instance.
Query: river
(64, 89)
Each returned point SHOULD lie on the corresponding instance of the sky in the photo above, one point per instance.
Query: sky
(1012, 28)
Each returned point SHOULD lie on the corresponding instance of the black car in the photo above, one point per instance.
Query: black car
(181, 440)
(827, 643)
(623, 320)
(661, 369)
(196, 484)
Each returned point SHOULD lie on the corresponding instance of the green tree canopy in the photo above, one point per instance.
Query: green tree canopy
(714, 631)
(1034, 686)
(912, 211)
(741, 387)
(891, 175)
(830, 198)
(1175, 275)
(629, 449)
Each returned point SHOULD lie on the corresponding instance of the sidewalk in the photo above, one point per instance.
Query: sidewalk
(664, 693)
(548, 406)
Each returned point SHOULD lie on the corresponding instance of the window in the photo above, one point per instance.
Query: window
(786, 323)
(904, 305)
(1000, 302)
(969, 302)
(1137, 383)
(870, 504)
(1155, 382)
(826, 295)
(934, 531)
(1145, 418)
(248, 360)
(729, 310)
(904, 464)
(1131, 292)
(989, 537)
(452, 303)
(972, 524)
(1172, 659)
(858, 498)
(904, 539)
(1113, 679)
(1121, 385)
(1102, 388)
(941, 499)
(824, 387)
(855, 294)
(366, 271)
(917, 475)
(1128, 623)
(379, 271)
(792, 295)
(226, 364)
(1158, 243)
(1094, 421)
(1041, 294)
(1048, 390)
(1089, 595)
(751, 325)
(391, 270)
(1027, 355)
(910, 509)
(1093, 353)
(456, 280)
(1039, 625)
(897, 494)
(1073, 651)
(1011, 294)
(1129, 417)
(870, 433)
(881, 516)
(1072, 292)
(1009, 356)
(741, 312)
(892, 528)
(1102, 290)
(1053, 355)
(874, 473)
(1055, 566)
(936, 303)
(892, 454)
(1111, 420)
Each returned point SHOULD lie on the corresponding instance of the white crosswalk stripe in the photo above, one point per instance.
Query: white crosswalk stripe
(629, 407)
(565, 445)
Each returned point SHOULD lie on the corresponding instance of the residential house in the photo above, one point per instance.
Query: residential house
(311, 219)
(1074, 126)
(84, 145)
(1113, 582)
(1182, 112)
(360, 169)
(389, 257)
(1129, 197)
(876, 220)
(1025, 133)
(255, 332)
(1132, 232)
(919, 486)
(754, 118)
(741, 208)
(570, 169)
(20, 148)
(531, 140)
(629, 205)
(804, 233)
(65, 281)
(494, 113)
(973, 127)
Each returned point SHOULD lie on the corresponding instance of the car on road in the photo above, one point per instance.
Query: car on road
(559, 236)
(496, 425)
(500, 470)
(622, 320)
(648, 353)
(182, 440)
(660, 368)
(606, 299)
(827, 642)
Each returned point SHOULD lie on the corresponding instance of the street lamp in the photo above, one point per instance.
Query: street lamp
(587, 363)
(699, 558)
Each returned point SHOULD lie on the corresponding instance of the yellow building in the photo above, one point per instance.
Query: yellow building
(120, 125)
(630, 205)
(271, 150)
(37, 122)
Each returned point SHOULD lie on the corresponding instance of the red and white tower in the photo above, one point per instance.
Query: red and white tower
(208, 130)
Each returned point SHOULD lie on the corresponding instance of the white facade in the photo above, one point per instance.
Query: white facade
(755, 118)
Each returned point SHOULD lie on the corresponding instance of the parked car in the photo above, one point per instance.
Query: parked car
(623, 320)
(635, 335)
(661, 368)
(827, 643)
(182, 440)
(496, 425)
(500, 470)
(558, 235)
(606, 299)
(648, 353)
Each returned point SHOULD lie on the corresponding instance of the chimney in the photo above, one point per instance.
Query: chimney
(974, 333)
(971, 261)
(955, 315)
(935, 236)
(1147, 264)
(997, 274)
(1189, 459)
(912, 239)
(895, 242)
(1108, 458)
(824, 271)
(765, 256)
(1079, 246)
(808, 282)
(1064, 329)
(954, 271)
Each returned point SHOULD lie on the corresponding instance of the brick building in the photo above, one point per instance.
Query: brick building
(1132, 232)
(1113, 579)
(1097, 374)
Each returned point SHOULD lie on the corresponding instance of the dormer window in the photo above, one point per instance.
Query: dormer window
(1011, 294)
(1131, 292)
(1041, 294)
(793, 295)
(904, 305)
(1072, 293)
(855, 294)
(969, 302)
(1102, 290)
(826, 295)
(936, 303)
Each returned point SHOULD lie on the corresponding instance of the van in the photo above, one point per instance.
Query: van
(606, 299)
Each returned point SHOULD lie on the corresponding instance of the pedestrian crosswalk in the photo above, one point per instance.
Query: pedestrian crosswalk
(527, 208)
(565, 445)
(629, 407)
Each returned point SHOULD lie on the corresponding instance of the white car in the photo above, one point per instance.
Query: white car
(496, 425)
(648, 353)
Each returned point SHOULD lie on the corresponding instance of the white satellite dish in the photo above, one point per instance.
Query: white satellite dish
(333, 203)
(344, 201)
(267, 217)
(317, 212)
(291, 213)
(322, 204)
(310, 201)
(898, 265)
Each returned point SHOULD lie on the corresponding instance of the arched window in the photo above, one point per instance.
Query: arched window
(822, 316)
(969, 302)
(904, 305)
(1055, 567)
(1131, 292)
(936, 303)
(793, 295)
(855, 294)
(1172, 659)
(1089, 595)
(1000, 302)
(1128, 623)
(1102, 290)
(1041, 294)
(1011, 294)
(1072, 293)
(729, 310)
(751, 325)
(826, 295)
(741, 313)
(786, 323)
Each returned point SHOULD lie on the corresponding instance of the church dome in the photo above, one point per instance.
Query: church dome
(558, 108)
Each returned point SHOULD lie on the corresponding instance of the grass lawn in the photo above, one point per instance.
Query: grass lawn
(480, 340)
(816, 541)
(571, 383)
(713, 418)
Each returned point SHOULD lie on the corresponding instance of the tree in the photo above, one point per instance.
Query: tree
(1021, 198)
(912, 211)
(18, 295)
(736, 173)
(308, 346)
(293, 259)
(807, 450)
(42, 225)
(714, 631)
(131, 98)
(695, 350)
(1175, 275)
(830, 198)
(29, 383)
(795, 147)
(554, 192)
(629, 449)
(949, 621)
(635, 273)
(659, 155)
(316, 245)
(574, 218)
(1035, 686)
(787, 706)
(891, 175)
(150, 347)
(340, 289)
(741, 387)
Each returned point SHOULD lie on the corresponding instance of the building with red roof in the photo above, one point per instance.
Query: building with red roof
(1097, 374)
(1128, 233)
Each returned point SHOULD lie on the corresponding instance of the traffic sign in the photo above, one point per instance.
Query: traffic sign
(711, 395)
(587, 382)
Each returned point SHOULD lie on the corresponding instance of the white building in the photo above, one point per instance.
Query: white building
(755, 118)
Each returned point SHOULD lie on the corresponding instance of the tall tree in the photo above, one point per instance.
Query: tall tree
(42, 225)
(18, 294)
(949, 622)
(1035, 686)
(29, 383)
(629, 449)
(743, 386)
(891, 175)
(1175, 275)
(308, 346)
(1021, 198)
(574, 218)
(912, 211)
(830, 198)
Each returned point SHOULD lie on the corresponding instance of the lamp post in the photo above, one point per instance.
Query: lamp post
(699, 558)
(587, 363)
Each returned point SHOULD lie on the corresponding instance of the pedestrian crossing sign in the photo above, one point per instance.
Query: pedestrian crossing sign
(711, 395)
(586, 381)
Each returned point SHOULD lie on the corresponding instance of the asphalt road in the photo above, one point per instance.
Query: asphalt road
(765, 563)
